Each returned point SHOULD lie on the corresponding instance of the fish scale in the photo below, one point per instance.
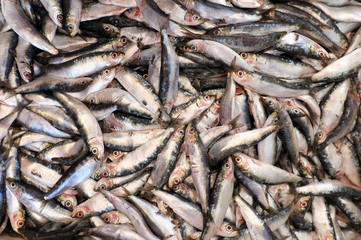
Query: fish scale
(180, 119)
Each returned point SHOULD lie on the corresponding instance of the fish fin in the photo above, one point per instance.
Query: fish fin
(337, 50)
(234, 122)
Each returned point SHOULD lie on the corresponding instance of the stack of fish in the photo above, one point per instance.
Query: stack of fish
(180, 119)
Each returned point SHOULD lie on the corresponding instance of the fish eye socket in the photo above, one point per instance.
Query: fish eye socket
(229, 228)
(114, 55)
(106, 28)
(321, 54)
(244, 55)
(196, 17)
(124, 39)
(27, 75)
(79, 214)
(12, 185)
(107, 219)
(191, 130)
(94, 151)
(217, 32)
(176, 182)
(240, 74)
(20, 223)
(70, 27)
(67, 204)
(105, 174)
(60, 17)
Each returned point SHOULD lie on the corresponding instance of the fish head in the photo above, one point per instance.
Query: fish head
(26, 73)
(303, 204)
(81, 211)
(249, 58)
(228, 229)
(68, 201)
(242, 162)
(120, 42)
(228, 169)
(179, 134)
(320, 51)
(321, 135)
(193, 18)
(194, 46)
(96, 147)
(110, 217)
(191, 134)
(104, 184)
(115, 57)
(15, 187)
(92, 98)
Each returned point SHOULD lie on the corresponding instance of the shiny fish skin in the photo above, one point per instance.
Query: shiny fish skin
(22, 26)
(180, 119)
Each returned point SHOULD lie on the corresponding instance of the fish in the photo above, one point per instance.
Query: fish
(180, 119)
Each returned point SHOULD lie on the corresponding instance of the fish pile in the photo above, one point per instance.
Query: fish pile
(180, 119)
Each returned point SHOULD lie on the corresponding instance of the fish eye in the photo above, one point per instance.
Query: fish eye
(181, 131)
(83, 82)
(321, 54)
(229, 228)
(238, 159)
(176, 181)
(319, 134)
(227, 165)
(92, 100)
(240, 74)
(60, 18)
(196, 17)
(27, 75)
(67, 204)
(244, 55)
(276, 120)
(217, 32)
(106, 27)
(193, 48)
(13, 185)
(191, 130)
(94, 151)
(218, 102)
(105, 174)
(124, 39)
(206, 97)
(70, 27)
(20, 223)
(303, 204)
(107, 219)
(145, 76)
(106, 72)
(115, 153)
(114, 55)
(102, 187)
(79, 214)
(296, 111)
